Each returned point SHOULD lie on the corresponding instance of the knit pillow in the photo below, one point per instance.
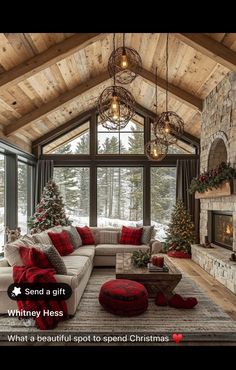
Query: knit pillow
(32, 257)
(74, 236)
(61, 242)
(86, 235)
(55, 259)
(109, 237)
(131, 235)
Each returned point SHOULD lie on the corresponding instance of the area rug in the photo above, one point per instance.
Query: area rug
(158, 325)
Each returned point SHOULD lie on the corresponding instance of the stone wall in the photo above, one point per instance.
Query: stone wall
(219, 122)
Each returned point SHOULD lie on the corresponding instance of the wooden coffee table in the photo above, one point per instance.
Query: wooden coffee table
(154, 282)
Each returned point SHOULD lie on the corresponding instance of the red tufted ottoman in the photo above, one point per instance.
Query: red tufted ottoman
(123, 297)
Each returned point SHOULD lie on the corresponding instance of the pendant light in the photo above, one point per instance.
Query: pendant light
(125, 63)
(169, 125)
(116, 105)
(156, 149)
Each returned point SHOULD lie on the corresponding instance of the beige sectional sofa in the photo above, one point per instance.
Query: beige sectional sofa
(79, 265)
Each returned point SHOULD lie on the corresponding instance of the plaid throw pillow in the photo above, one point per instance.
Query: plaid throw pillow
(86, 235)
(131, 235)
(32, 257)
(61, 242)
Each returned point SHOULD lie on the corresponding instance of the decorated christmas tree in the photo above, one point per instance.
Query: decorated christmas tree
(180, 233)
(49, 211)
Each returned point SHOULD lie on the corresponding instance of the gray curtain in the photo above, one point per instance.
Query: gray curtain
(185, 171)
(44, 172)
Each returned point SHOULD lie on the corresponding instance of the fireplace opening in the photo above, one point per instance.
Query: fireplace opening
(222, 229)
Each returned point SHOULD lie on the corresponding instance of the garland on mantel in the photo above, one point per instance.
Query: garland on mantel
(212, 179)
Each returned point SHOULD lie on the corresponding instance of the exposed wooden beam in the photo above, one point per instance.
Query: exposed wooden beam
(178, 93)
(47, 58)
(211, 48)
(54, 104)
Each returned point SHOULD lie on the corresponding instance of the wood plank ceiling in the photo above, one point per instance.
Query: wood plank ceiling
(46, 79)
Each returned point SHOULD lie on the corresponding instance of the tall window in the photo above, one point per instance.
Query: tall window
(24, 195)
(74, 142)
(120, 196)
(2, 200)
(109, 179)
(163, 193)
(73, 184)
(129, 140)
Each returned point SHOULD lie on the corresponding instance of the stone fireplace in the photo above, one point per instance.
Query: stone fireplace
(218, 143)
(218, 214)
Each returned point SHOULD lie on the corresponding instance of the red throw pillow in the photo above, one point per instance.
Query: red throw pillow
(86, 235)
(61, 242)
(131, 235)
(32, 257)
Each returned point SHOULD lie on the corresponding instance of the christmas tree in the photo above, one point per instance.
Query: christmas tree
(180, 233)
(49, 211)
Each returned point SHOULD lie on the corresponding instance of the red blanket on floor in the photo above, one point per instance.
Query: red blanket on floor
(37, 275)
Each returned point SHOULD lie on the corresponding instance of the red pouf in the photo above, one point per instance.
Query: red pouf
(123, 297)
(178, 254)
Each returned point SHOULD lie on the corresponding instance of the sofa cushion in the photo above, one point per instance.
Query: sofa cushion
(61, 242)
(12, 254)
(42, 238)
(86, 235)
(76, 265)
(87, 251)
(5, 270)
(131, 235)
(111, 249)
(96, 232)
(109, 237)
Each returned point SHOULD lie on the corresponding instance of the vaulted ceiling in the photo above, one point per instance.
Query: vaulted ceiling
(46, 79)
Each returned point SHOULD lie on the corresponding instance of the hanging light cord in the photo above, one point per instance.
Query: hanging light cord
(156, 92)
(114, 48)
(167, 69)
(123, 40)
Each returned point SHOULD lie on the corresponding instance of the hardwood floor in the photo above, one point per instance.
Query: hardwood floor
(215, 290)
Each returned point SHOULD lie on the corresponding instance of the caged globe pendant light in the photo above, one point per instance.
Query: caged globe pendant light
(169, 124)
(156, 149)
(116, 105)
(125, 63)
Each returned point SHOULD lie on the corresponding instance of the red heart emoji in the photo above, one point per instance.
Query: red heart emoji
(177, 337)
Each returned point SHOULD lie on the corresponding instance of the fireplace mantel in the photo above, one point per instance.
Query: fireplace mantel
(225, 189)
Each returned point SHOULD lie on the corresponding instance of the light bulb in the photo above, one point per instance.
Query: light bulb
(124, 60)
(155, 151)
(115, 107)
(167, 128)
